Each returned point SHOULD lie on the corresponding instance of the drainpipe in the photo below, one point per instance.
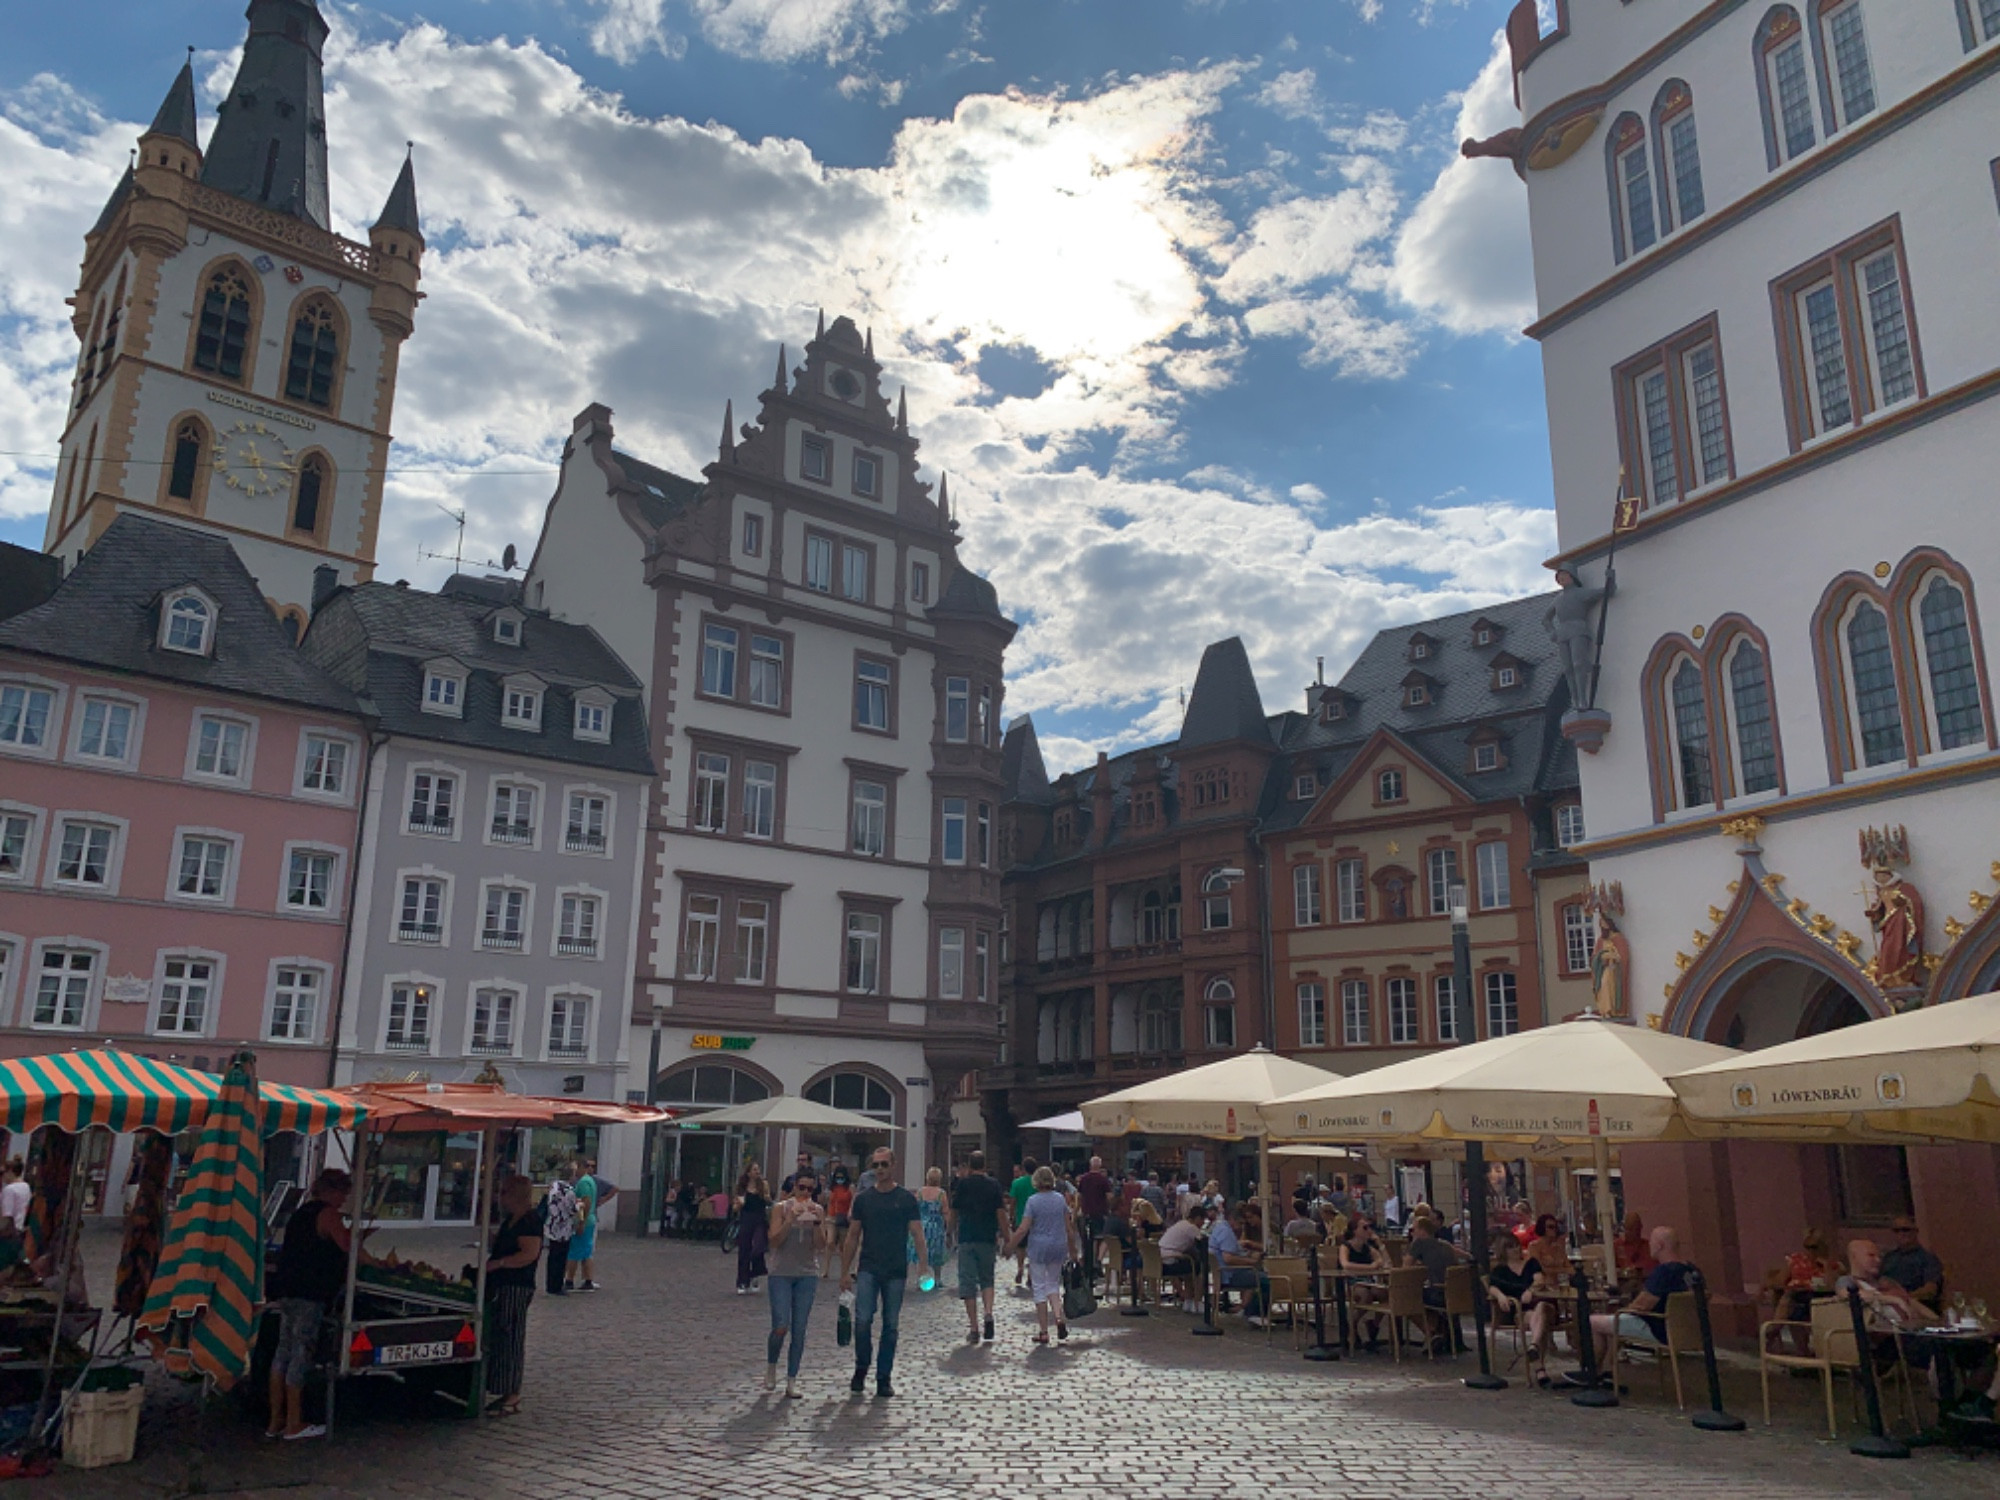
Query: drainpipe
(376, 740)
(1535, 899)
(1264, 931)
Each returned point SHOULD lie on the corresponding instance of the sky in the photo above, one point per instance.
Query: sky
(1212, 329)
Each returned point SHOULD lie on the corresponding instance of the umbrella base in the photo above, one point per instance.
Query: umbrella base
(1135, 1311)
(1322, 1353)
(1203, 1331)
(1869, 1445)
(1717, 1421)
(1485, 1383)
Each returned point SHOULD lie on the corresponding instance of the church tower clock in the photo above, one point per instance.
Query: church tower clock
(238, 362)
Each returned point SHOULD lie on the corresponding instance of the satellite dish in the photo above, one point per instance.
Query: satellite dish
(507, 558)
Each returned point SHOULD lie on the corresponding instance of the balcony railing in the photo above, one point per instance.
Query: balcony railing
(575, 947)
(578, 842)
(420, 932)
(436, 826)
(506, 942)
(513, 833)
(569, 1051)
(407, 1044)
(492, 1048)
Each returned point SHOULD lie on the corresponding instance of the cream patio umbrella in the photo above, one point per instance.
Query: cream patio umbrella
(788, 1112)
(1220, 1100)
(1588, 1084)
(1932, 1073)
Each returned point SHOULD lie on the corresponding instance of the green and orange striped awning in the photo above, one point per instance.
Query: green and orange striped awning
(118, 1090)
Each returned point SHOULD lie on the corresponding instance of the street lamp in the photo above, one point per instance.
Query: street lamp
(1475, 1151)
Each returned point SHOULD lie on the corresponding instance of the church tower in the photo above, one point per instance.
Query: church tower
(238, 363)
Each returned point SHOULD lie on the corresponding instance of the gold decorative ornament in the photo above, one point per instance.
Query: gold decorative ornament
(1700, 631)
(1995, 872)
(1796, 909)
(1656, 1021)
(1821, 924)
(1733, 887)
(1716, 914)
(1700, 940)
(1978, 900)
(1953, 929)
(253, 460)
(1745, 828)
(1848, 944)
(1394, 848)
(1882, 570)
(1683, 962)
(1771, 883)
(1931, 961)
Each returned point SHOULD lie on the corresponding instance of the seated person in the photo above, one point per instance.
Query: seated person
(1436, 1257)
(1302, 1229)
(1550, 1248)
(1807, 1273)
(1241, 1258)
(1631, 1248)
(1145, 1217)
(1912, 1267)
(1520, 1298)
(1361, 1251)
(1644, 1317)
(1178, 1247)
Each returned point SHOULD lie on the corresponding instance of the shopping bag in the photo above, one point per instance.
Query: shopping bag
(843, 1326)
(1078, 1300)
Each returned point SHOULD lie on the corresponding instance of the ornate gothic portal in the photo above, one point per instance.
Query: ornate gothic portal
(1779, 1000)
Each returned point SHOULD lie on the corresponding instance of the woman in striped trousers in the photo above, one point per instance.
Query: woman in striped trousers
(510, 1287)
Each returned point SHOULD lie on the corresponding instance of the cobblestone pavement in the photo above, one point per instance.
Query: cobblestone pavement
(652, 1387)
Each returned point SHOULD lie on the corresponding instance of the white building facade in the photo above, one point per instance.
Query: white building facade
(824, 690)
(1763, 242)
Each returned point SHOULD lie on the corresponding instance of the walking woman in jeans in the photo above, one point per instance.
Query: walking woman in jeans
(1048, 1229)
(799, 1232)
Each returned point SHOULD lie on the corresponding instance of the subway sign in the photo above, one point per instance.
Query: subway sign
(712, 1043)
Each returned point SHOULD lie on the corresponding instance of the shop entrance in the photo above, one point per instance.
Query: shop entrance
(428, 1177)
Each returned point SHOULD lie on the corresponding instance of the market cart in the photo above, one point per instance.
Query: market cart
(400, 1319)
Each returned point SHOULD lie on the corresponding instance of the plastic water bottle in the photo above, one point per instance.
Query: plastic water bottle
(928, 1283)
(843, 1328)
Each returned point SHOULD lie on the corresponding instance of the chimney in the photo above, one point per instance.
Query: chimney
(325, 581)
(1100, 803)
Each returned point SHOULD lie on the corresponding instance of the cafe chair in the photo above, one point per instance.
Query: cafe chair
(1395, 1245)
(1683, 1342)
(1405, 1303)
(1291, 1285)
(1461, 1286)
(1833, 1349)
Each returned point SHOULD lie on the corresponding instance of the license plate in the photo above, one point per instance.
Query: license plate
(414, 1354)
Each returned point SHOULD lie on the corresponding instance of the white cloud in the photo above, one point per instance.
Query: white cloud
(1294, 95)
(583, 252)
(787, 30)
(1463, 256)
(628, 29)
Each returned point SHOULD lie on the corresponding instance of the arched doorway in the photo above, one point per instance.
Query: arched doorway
(711, 1158)
(1766, 999)
(863, 1091)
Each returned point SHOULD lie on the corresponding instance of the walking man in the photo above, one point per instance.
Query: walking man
(884, 1223)
(1093, 1191)
(981, 1211)
(559, 1227)
(1020, 1191)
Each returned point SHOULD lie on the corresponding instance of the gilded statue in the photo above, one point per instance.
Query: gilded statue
(1610, 969)
(1895, 910)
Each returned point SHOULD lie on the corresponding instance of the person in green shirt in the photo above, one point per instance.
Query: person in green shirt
(583, 1244)
(1020, 1191)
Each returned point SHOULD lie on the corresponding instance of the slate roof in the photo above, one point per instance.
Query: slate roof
(662, 493)
(1022, 771)
(27, 578)
(112, 204)
(177, 113)
(966, 593)
(400, 212)
(106, 614)
(1224, 704)
(376, 637)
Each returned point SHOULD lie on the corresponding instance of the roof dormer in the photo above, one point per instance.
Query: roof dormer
(444, 687)
(1337, 705)
(1419, 690)
(593, 715)
(1424, 646)
(521, 695)
(1487, 632)
(507, 626)
(1485, 750)
(1509, 672)
(188, 618)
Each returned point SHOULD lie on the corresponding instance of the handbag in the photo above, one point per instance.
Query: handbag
(1078, 1300)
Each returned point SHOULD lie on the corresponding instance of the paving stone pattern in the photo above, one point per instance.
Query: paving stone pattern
(653, 1387)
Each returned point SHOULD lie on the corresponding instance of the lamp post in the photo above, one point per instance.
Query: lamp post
(1475, 1151)
(649, 1197)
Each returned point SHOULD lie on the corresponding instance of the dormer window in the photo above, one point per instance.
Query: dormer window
(1389, 785)
(1305, 786)
(521, 707)
(1507, 672)
(1419, 650)
(593, 719)
(1486, 757)
(444, 692)
(1506, 677)
(867, 474)
(507, 628)
(188, 624)
(1483, 636)
(1416, 695)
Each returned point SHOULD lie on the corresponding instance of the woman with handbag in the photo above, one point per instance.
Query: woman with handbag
(1048, 1229)
(753, 1232)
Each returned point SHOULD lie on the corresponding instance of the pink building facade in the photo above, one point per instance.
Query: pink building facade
(178, 811)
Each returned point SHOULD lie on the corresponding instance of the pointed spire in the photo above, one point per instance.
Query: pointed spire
(728, 449)
(944, 501)
(778, 385)
(822, 324)
(400, 212)
(868, 342)
(269, 142)
(177, 116)
(903, 411)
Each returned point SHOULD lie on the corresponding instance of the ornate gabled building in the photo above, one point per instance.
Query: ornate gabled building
(238, 358)
(1134, 909)
(823, 676)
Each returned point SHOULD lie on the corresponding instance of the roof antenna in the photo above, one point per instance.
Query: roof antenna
(1320, 678)
(458, 546)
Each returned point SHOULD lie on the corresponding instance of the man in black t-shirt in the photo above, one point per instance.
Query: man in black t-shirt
(979, 1205)
(883, 1222)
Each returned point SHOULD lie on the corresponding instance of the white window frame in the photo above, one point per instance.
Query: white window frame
(510, 784)
(390, 984)
(1495, 874)
(1214, 1012)
(1486, 756)
(855, 928)
(213, 619)
(962, 818)
(1437, 892)
(507, 627)
(1216, 887)
(396, 925)
(852, 551)
(1356, 1000)
(93, 994)
(52, 725)
(877, 822)
(266, 1030)
(1579, 936)
(1860, 769)
(13, 953)
(434, 769)
(739, 925)
(707, 922)
(1502, 987)
(760, 663)
(516, 1012)
(1506, 677)
(813, 541)
(1355, 910)
(766, 795)
(569, 992)
(527, 927)
(1568, 813)
(1308, 905)
(873, 489)
(721, 659)
(1305, 787)
(521, 704)
(816, 445)
(1444, 1008)
(211, 1005)
(884, 686)
(114, 862)
(1403, 988)
(1312, 1013)
(587, 790)
(31, 847)
(1836, 85)
(708, 809)
(1389, 778)
(951, 963)
(592, 718)
(223, 717)
(1622, 182)
(443, 692)
(350, 770)
(957, 710)
(579, 893)
(335, 886)
(133, 704)
(1816, 423)
(1878, 400)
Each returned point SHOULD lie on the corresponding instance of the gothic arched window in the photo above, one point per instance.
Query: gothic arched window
(1634, 209)
(1750, 715)
(1950, 673)
(315, 356)
(308, 493)
(1871, 673)
(1679, 156)
(1696, 781)
(185, 466)
(222, 333)
(1784, 83)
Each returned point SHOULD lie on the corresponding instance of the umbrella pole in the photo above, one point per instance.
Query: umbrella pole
(1600, 1155)
(1475, 1171)
(477, 1400)
(1264, 1188)
(66, 1250)
(358, 1195)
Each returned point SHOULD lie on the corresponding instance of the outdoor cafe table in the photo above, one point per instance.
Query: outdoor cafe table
(1951, 1346)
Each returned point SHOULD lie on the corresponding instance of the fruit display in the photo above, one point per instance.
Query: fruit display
(414, 1277)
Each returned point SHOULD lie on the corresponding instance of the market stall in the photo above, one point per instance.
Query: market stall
(399, 1317)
